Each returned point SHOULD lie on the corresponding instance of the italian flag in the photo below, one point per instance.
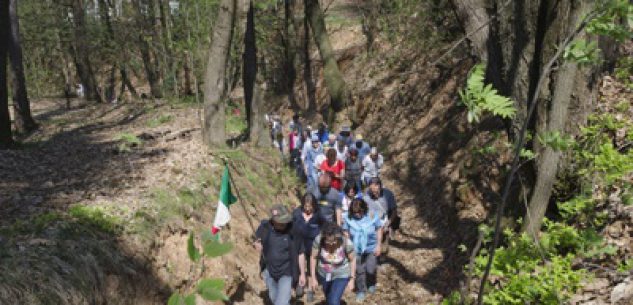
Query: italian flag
(222, 214)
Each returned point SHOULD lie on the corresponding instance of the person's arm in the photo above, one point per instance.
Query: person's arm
(378, 241)
(302, 269)
(352, 261)
(339, 216)
(313, 277)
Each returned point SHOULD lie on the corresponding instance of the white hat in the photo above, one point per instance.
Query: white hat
(374, 150)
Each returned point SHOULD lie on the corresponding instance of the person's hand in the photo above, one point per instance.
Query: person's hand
(350, 285)
(302, 280)
(258, 246)
(377, 251)
(313, 283)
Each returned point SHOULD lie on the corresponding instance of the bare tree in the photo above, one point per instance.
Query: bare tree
(215, 90)
(22, 109)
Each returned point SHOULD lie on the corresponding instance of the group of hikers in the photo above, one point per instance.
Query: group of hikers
(337, 236)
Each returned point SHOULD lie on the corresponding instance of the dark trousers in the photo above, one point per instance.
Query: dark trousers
(366, 266)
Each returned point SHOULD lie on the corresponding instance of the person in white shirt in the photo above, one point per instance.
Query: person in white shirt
(341, 149)
(372, 165)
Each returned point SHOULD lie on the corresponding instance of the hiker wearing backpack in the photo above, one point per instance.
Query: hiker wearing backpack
(332, 263)
(365, 230)
(282, 260)
(308, 222)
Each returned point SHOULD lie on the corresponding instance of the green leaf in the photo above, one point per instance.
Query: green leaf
(192, 250)
(213, 248)
(212, 289)
(190, 299)
(175, 299)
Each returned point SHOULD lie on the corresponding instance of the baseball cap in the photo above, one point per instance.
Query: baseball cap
(374, 150)
(346, 129)
(359, 137)
(314, 138)
(280, 214)
(332, 137)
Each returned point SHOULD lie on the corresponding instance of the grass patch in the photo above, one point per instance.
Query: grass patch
(183, 102)
(127, 141)
(235, 124)
(96, 217)
(162, 119)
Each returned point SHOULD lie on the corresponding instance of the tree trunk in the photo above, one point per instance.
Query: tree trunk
(566, 81)
(331, 73)
(518, 43)
(370, 9)
(82, 52)
(6, 138)
(310, 87)
(288, 41)
(187, 71)
(109, 92)
(150, 66)
(22, 110)
(213, 130)
(259, 135)
(249, 59)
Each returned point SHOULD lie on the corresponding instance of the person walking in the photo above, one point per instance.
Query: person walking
(308, 159)
(362, 147)
(335, 168)
(332, 263)
(341, 149)
(365, 230)
(329, 200)
(282, 251)
(382, 201)
(350, 192)
(353, 169)
(308, 222)
(372, 165)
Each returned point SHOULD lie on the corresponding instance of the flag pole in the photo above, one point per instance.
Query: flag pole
(239, 198)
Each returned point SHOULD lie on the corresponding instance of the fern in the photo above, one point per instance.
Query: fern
(479, 97)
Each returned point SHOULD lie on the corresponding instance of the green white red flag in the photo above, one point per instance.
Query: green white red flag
(226, 198)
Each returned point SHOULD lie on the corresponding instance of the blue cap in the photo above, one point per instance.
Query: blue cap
(315, 138)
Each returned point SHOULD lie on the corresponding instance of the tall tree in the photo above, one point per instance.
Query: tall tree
(6, 138)
(520, 39)
(146, 33)
(22, 109)
(253, 94)
(331, 73)
(215, 87)
(82, 51)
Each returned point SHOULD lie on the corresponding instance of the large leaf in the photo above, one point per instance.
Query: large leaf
(212, 289)
(192, 250)
(178, 299)
(213, 248)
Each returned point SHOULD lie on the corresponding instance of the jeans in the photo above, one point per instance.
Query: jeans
(279, 290)
(366, 266)
(333, 289)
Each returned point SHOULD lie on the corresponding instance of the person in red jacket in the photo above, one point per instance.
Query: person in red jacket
(335, 168)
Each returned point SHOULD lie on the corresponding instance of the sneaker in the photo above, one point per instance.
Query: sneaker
(309, 296)
(372, 289)
(360, 297)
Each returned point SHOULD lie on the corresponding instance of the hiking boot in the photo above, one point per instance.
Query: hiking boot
(371, 289)
(309, 296)
(360, 297)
